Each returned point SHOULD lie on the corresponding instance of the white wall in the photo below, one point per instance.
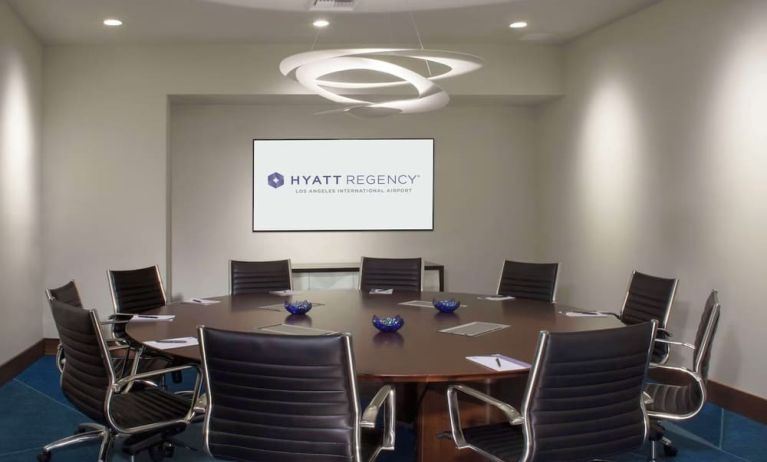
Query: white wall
(485, 209)
(105, 139)
(21, 293)
(657, 160)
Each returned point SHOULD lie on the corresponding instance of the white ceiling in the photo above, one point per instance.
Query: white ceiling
(289, 21)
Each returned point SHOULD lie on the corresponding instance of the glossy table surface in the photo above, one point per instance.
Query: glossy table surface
(417, 353)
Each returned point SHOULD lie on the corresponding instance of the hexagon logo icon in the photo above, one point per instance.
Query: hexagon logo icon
(276, 180)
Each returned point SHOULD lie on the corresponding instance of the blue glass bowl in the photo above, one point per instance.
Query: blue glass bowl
(298, 307)
(447, 306)
(391, 324)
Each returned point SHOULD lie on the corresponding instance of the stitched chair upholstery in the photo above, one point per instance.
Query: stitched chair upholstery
(532, 281)
(270, 401)
(260, 277)
(582, 402)
(400, 274)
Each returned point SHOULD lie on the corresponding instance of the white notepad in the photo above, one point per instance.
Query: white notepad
(288, 329)
(496, 298)
(499, 363)
(170, 343)
(418, 303)
(285, 293)
(585, 314)
(152, 317)
(475, 328)
(381, 291)
(202, 301)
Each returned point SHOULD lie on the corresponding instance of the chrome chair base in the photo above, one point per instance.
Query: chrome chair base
(85, 433)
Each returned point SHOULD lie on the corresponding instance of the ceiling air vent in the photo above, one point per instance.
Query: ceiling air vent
(333, 5)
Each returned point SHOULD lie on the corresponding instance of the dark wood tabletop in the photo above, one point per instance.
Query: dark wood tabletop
(417, 353)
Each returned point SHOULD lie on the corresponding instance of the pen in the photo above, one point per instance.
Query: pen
(498, 361)
(146, 316)
(170, 341)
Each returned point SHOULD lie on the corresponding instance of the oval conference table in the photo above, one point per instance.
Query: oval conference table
(418, 354)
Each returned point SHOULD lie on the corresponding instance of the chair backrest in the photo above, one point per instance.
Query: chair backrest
(67, 293)
(648, 297)
(135, 291)
(86, 376)
(584, 395)
(280, 398)
(532, 281)
(709, 322)
(259, 277)
(400, 274)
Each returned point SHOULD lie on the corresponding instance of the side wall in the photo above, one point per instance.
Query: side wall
(657, 160)
(21, 299)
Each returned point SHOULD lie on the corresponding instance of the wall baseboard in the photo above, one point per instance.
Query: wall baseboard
(50, 345)
(17, 364)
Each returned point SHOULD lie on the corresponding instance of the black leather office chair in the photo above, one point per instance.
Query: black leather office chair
(259, 277)
(650, 297)
(400, 274)
(683, 402)
(282, 398)
(532, 281)
(136, 291)
(583, 401)
(68, 294)
(128, 407)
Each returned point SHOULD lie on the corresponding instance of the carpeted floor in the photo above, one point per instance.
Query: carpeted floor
(34, 412)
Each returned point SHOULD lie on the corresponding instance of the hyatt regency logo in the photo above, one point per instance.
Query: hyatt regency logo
(276, 180)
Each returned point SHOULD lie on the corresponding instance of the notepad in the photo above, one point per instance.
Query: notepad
(381, 291)
(585, 314)
(152, 317)
(474, 329)
(418, 303)
(170, 343)
(499, 363)
(288, 329)
(202, 301)
(285, 293)
(496, 298)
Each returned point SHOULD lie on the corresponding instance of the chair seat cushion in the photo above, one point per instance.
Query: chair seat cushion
(150, 405)
(502, 440)
(673, 399)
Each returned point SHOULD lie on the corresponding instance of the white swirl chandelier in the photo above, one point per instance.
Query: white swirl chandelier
(321, 72)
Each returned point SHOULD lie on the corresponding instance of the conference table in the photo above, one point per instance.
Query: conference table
(422, 360)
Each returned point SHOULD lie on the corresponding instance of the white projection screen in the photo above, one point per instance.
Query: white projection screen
(343, 185)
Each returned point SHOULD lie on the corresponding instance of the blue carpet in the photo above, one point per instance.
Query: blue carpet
(35, 412)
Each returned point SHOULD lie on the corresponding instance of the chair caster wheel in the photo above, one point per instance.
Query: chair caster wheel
(44, 457)
(670, 451)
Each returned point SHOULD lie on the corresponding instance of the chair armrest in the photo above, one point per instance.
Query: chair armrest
(663, 331)
(512, 415)
(647, 398)
(671, 342)
(699, 381)
(145, 375)
(123, 385)
(383, 399)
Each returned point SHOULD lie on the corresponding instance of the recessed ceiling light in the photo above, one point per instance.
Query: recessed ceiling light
(112, 22)
(320, 23)
(518, 25)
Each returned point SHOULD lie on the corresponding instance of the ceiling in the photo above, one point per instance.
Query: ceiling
(289, 21)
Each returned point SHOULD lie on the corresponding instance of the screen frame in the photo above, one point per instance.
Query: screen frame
(253, 187)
